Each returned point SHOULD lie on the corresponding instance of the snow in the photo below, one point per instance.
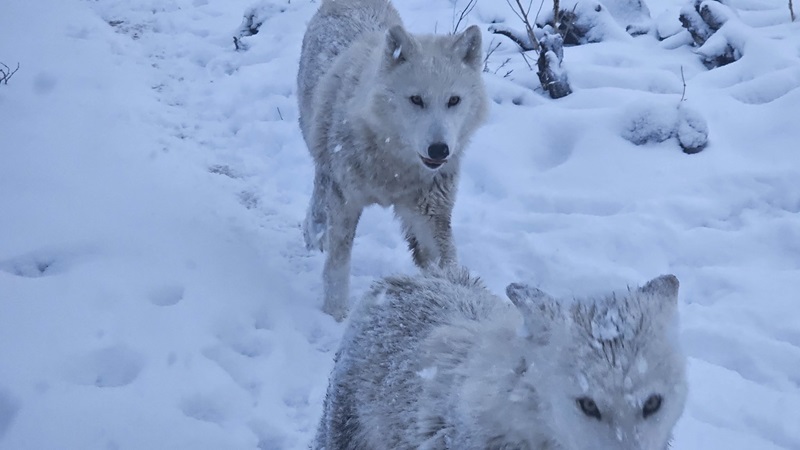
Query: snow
(155, 291)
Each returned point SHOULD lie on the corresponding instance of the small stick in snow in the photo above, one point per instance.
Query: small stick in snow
(279, 112)
(683, 94)
(791, 10)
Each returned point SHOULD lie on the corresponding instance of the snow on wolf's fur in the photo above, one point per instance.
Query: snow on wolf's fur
(386, 116)
(438, 362)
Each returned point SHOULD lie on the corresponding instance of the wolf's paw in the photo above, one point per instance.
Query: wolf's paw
(337, 311)
(314, 234)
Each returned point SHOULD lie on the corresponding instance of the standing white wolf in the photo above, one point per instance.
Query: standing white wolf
(437, 362)
(386, 116)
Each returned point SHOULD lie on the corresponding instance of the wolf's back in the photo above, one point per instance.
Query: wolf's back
(334, 28)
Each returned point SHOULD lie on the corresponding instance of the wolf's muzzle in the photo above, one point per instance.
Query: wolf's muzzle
(437, 155)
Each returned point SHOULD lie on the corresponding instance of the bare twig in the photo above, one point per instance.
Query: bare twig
(557, 13)
(6, 73)
(492, 48)
(524, 15)
(538, 11)
(571, 21)
(279, 113)
(460, 17)
(683, 94)
(508, 72)
(791, 10)
(525, 58)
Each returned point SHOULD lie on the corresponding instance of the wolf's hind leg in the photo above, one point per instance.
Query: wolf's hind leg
(316, 222)
(342, 223)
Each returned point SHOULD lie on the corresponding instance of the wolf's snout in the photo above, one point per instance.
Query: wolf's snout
(438, 151)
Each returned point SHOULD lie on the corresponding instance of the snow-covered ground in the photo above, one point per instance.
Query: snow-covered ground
(155, 292)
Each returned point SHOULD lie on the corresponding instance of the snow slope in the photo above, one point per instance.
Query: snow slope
(154, 289)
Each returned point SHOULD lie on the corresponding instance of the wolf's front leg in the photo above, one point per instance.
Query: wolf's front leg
(419, 235)
(316, 222)
(426, 222)
(443, 235)
(439, 204)
(429, 236)
(342, 223)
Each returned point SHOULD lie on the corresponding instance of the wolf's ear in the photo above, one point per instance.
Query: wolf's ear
(662, 296)
(468, 46)
(664, 287)
(539, 310)
(400, 45)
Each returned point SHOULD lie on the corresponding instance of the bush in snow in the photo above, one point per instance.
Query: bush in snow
(703, 18)
(552, 77)
(692, 131)
(659, 121)
(548, 42)
(571, 22)
(582, 22)
(633, 15)
(253, 18)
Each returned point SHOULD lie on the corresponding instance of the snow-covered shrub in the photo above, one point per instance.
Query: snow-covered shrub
(692, 131)
(658, 121)
(551, 75)
(254, 17)
(583, 22)
(703, 19)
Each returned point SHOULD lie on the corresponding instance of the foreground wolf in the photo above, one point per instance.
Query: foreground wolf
(437, 362)
(386, 116)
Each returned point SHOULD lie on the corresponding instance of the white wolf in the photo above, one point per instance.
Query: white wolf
(437, 362)
(386, 116)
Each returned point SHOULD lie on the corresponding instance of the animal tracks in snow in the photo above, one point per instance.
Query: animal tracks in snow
(43, 262)
(114, 366)
(9, 407)
(205, 407)
(240, 352)
(755, 358)
(166, 295)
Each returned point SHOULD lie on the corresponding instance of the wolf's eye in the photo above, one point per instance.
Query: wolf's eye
(651, 405)
(453, 101)
(589, 407)
(417, 100)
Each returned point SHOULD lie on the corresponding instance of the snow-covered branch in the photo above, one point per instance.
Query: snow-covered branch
(523, 40)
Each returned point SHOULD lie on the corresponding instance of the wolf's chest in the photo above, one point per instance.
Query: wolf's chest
(393, 187)
(382, 185)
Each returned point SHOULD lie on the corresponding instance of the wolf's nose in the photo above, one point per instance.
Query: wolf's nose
(438, 150)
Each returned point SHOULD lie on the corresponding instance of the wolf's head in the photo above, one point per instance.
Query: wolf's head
(612, 374)
(428, 95)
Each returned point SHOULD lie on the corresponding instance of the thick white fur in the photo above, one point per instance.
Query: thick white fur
(437, 362)
(359, 68)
